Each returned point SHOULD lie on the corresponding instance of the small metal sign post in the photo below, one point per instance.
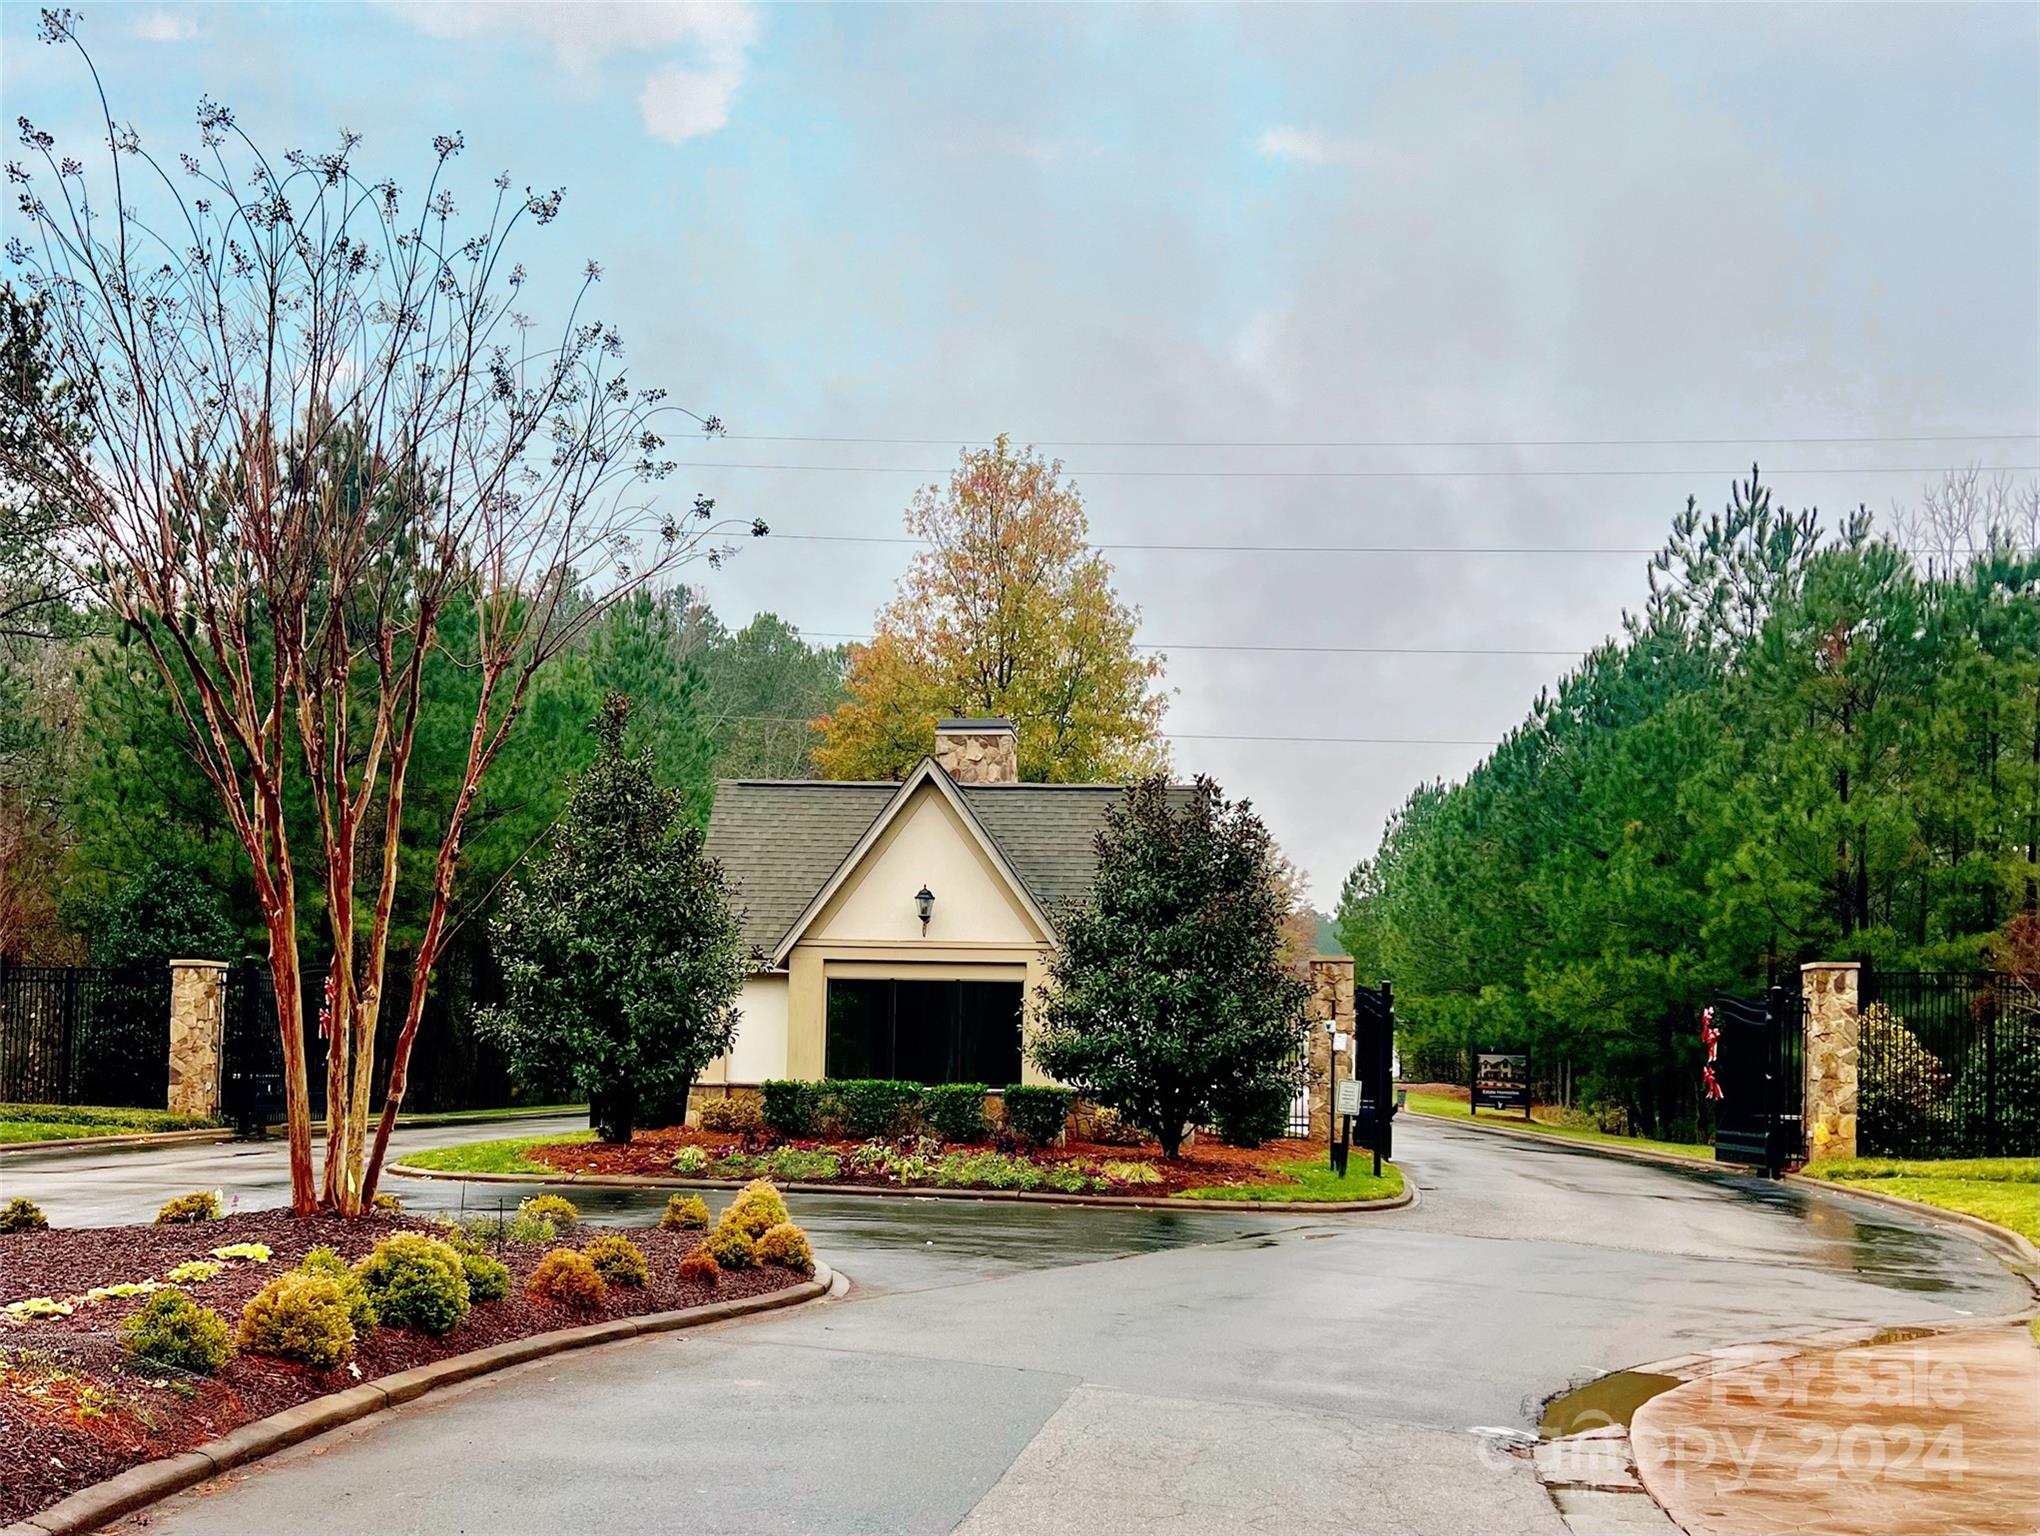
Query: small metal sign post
(1501, 1080)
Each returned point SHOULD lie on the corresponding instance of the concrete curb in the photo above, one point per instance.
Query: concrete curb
(877, 1191)
(1597, 1148)
(126, 1139)
(90, 1508)
(2023, 1254)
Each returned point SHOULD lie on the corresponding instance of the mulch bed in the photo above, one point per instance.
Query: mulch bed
(72, 1413)
(1209, 1162)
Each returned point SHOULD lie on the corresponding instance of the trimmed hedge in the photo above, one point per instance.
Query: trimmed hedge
(876, 1106)
(956, 1111)
(791, 1107)
(1037, 1114)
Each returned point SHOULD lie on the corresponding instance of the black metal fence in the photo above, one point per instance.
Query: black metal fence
(451, 1067)
(1948, 1065)
(84, 1035)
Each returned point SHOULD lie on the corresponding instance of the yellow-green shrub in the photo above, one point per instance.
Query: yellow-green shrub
(488, 1277)
(732, 1247)
(787, 1246)
(170, 1331)
(685, 1213)
(569, 1278)
(417, 1282)
(698, 1267)
(732, 1116)
(199, 1205)
(618, 1260)
(557, 1209)
(360, 1308)
(757, 1207)
(301, 1315)
(22, 1214)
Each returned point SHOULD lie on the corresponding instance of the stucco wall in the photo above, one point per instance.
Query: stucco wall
(929, 845)
(760, 1051)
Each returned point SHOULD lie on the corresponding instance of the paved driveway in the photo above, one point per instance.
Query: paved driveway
(1022, 1369)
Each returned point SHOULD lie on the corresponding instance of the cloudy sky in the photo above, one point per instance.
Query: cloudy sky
(1479, 279)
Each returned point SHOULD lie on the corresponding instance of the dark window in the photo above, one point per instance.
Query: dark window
(925, 1031)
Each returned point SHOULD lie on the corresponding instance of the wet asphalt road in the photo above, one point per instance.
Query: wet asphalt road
(1004, 1368)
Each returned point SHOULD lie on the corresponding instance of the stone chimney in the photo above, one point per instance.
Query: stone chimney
(978, 751)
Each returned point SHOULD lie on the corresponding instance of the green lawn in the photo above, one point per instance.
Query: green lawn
(2005, 1190)
(57, 1122)
(1455, 1109)
(1316, 1181)
(506, 1156)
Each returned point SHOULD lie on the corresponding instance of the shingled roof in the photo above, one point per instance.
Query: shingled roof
(779, 840)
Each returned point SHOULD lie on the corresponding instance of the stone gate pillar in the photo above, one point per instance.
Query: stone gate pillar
(1331, 997)
(198, 1019)
(1833, 1036)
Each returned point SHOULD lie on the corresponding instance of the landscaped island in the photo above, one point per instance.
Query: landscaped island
(121, 1345)
(890, 1135)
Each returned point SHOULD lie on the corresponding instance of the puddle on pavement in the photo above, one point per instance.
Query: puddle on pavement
(1610, 1399)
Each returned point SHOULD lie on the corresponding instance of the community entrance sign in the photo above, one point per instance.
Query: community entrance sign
(1501, 1080)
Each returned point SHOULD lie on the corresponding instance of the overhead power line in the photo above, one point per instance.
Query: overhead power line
(1256, 549)
(1432, 442)
(1289, 650)
(1340, 741)
(1388, 474)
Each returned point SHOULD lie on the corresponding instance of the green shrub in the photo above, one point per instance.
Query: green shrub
(302, 1315)
(557, 1209)
(1037, 1114)
(698, 1267)
(1253, 1114)
(2001, 1073)
(483, 1232)
(569, 1278)
(1901, 1103)
(876, 1106)
(417, 1282)
(171, 1332)
(757, 1206)
(738, 1117)
(732, 1247)
(691, 1162)
(956, 1111)
(22, 1214)
(488, 1277)
(736, 1165)
(685, 1213)
(790, 1107)
(618, 1260)
(360, 1308)
(798, 1164)
(199, 1205)
(787, 1246)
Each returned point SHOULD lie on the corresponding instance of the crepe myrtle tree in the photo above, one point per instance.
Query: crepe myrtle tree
(621, 957)
(1170, 1000)
(301, 419)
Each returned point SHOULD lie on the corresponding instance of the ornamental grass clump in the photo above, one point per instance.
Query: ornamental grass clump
(699, 1267)
(732, 1247)
(557, 1209)
(569, 1278)
(685, 1213)
(360, 1307)
(757, 1206)
(787, 1246)
(618, 1260)
(416, 1282)
(199, 1205)
(22, 1215)
(303, 1315)
(171, 1332)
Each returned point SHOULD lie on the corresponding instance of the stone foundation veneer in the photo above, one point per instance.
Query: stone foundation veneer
(198, 1016)
(1833, 1019)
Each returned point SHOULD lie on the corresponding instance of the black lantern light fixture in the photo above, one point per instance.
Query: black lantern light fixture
(924, 903)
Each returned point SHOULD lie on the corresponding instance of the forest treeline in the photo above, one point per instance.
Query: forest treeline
(1811, 742)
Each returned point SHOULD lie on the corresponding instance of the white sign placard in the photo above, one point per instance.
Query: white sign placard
(1349, 1097)
(1341, 1041)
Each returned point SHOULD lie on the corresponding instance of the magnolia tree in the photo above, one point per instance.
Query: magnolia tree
(310, 434)
(622, 960)
(1171, 999)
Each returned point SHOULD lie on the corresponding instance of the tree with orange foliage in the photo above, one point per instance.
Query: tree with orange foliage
(1008, 612)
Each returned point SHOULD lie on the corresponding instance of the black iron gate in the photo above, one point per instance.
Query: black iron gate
(1759, 1068)
(1374, 1068)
